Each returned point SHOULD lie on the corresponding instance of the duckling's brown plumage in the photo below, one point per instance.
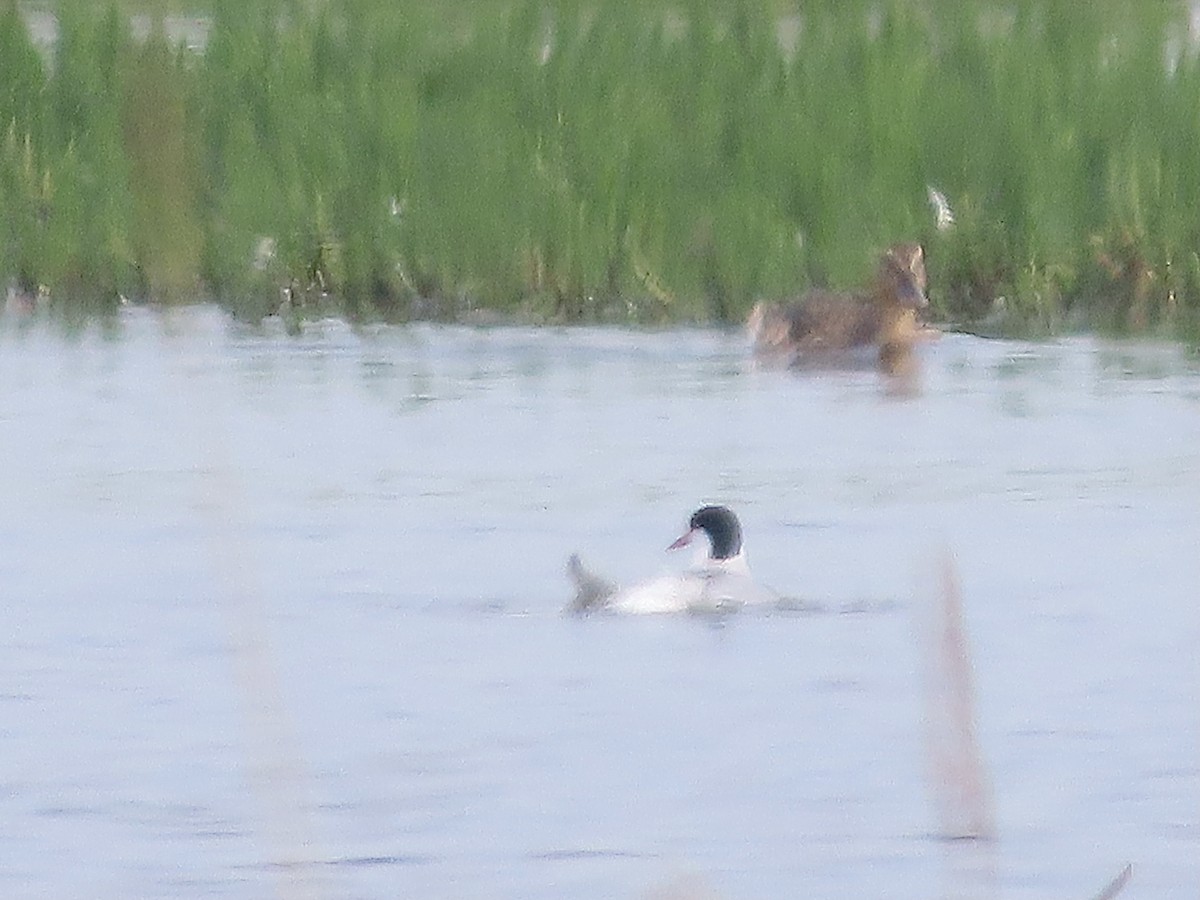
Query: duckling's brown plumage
(824, 324)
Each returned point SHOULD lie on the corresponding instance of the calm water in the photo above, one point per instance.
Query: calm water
(281, 616)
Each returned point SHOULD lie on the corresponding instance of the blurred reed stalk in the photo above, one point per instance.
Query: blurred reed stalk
(162, 176)
(572, 161)
(277, 776)
(958, 778)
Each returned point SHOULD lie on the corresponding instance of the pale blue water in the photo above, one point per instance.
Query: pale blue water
(281, 616)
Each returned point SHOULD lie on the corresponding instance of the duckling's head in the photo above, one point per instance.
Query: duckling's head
(901, 278)
(723, 530)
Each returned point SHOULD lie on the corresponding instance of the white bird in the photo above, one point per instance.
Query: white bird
(721, 583)
(942, 213)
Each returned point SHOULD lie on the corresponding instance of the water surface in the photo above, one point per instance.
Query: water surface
(281, 615)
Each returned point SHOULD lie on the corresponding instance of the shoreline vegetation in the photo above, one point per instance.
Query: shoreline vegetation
(606, 161)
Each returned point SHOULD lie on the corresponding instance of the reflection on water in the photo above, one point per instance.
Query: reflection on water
(283, 613)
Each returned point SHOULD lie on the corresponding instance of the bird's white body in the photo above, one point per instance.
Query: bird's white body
(717, 586)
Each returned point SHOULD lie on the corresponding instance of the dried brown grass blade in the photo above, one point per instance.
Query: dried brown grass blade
(959, 782)
(1117, 885)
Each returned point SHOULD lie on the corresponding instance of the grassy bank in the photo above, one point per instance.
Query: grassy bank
(608, 159)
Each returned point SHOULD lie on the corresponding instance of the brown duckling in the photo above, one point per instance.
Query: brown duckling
(823, 325)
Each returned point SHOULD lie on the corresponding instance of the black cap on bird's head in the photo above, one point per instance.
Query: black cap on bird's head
(723, 530)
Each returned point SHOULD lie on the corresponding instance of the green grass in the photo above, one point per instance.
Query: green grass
(609, 160)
